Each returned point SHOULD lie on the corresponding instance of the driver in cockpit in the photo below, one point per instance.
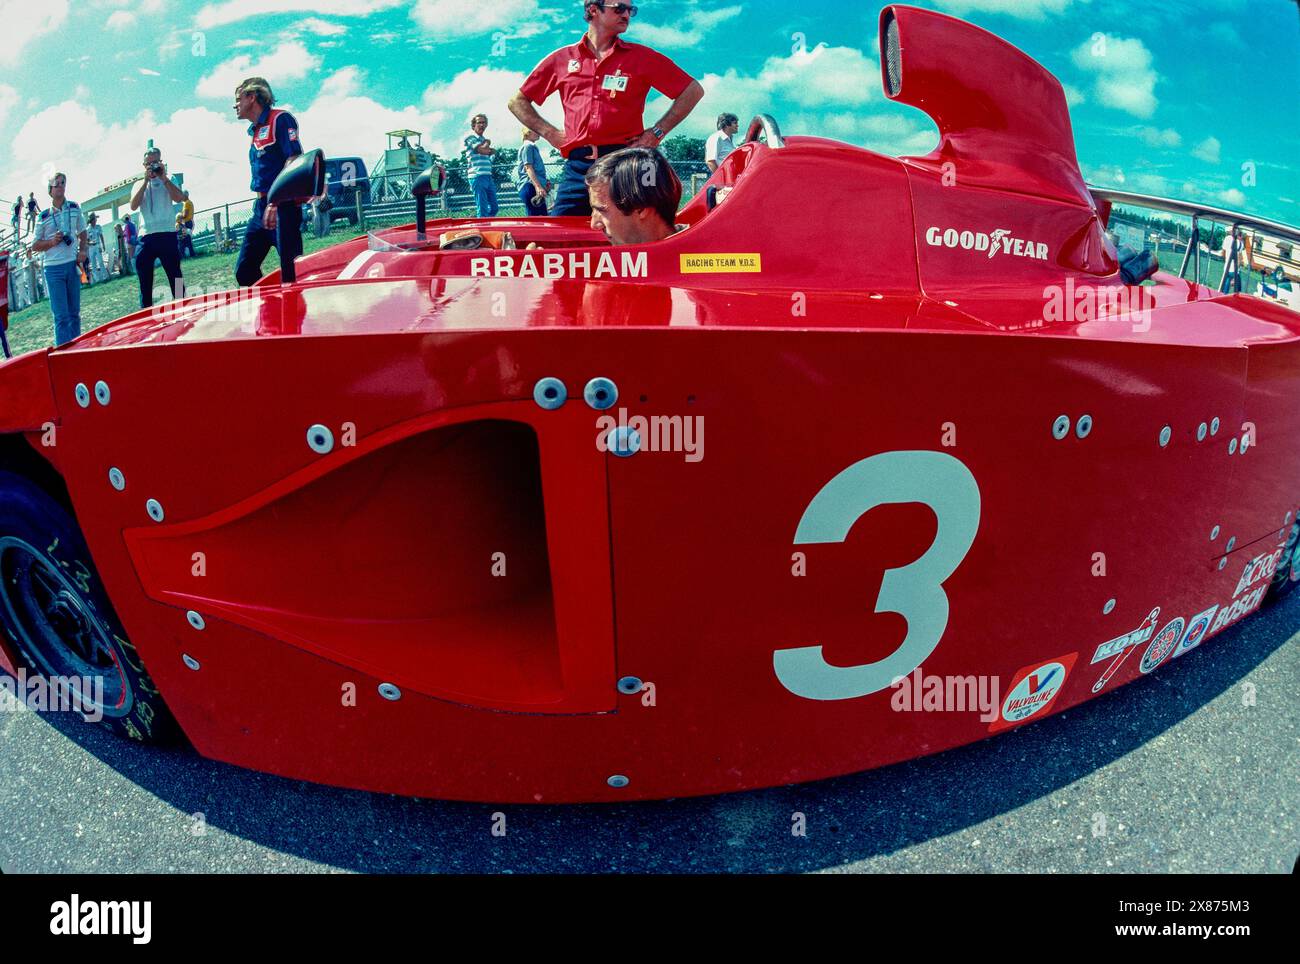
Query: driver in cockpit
(634, 194)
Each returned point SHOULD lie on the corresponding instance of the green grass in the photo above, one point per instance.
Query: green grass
(33, 327)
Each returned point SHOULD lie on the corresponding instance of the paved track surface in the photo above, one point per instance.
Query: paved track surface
(1176, 772)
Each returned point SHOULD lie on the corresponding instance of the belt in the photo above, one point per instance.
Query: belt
(261, 195)
(592, 151)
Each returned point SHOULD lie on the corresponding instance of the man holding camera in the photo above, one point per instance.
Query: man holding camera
(61, 235)
(155, 199)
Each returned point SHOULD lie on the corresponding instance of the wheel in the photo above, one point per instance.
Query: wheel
(55, 611)
(1288, 567)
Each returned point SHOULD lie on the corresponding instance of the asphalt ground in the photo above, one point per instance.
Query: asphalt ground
(1193, 769)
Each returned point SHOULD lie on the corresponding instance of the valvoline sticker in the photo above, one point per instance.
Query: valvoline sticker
(1032, 691)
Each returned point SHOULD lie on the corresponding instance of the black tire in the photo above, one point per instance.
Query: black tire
(58, 617)
(1288, 567)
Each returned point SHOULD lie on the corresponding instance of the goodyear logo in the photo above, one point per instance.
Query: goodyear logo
(721, 263)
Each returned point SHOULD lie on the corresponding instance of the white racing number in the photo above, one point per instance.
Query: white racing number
(914, 591)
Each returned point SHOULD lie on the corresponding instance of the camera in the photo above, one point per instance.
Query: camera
(155, 167)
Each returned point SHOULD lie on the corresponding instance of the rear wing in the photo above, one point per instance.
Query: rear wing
(1236, 222)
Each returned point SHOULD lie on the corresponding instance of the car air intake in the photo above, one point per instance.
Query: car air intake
(893, 56)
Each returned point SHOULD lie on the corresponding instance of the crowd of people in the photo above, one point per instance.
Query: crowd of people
(613, 171)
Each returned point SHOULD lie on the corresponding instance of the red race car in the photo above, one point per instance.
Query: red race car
(437, 516)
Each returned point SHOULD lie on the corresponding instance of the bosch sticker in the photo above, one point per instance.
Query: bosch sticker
(1033, 689)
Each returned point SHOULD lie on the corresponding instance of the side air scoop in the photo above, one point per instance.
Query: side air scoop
(1002, 118)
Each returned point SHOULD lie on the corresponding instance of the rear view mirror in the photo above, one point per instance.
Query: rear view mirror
(302, 179)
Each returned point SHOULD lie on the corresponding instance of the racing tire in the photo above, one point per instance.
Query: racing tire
(1288, 567)
(59, 622)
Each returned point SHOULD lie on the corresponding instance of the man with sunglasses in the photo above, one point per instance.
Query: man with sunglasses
(603, 83)
(61, 235)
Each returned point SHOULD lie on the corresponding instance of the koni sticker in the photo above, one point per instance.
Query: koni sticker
(1118, 649)
(1033, 689)
(1162, 644)
(1195, 632)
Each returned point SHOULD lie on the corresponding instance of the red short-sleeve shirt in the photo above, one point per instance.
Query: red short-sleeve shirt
(600, 107)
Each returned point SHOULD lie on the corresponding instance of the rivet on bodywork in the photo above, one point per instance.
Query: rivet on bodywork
(1201, 431)
(83, 395)
(629, 685)
(1214, 533)
(1232, 446)
(1245, 443)
(1166, 434)
(550, 393)
(389, 692)
(600, 393)
(1061, 427)
(1287, 520)
(195, 620)
(190, 661)
(116, 479)
(1214, 426)
(155, 510)
(1083, 426)
(320, 439)
(1108, 608)
(1223, 562)
(618, 781)
(101, 392)
(1232, 541)
(623, 441)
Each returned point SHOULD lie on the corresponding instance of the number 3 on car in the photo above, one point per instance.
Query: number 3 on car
(914, 591)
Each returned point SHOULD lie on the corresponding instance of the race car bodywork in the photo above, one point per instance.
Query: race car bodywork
(450, 524)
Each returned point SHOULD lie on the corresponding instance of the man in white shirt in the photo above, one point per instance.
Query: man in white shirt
(61, 235)
(95, 235)
(156, 199)
(719, 144)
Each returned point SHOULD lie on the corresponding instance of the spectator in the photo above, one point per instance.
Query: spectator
(533, 183)
(478, 167)
(95, 237)
(62, 236)
(184, 236)
(719, 144)
(603, 84)
(155, 198)
(634, 195)
(187, 210)
(32, 210)
(18, 217)
(130, 236)
(320, 217)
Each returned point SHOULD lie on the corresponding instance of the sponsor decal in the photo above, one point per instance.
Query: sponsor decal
(1196, 627)
(293, 133)
(1163, 644)
(574, 66)
(263, 132)
(574, 264)
(1261, 567)
(1000, 241)
(721, 263)
(1118, 649)
(1244, 606)
(1033, 689)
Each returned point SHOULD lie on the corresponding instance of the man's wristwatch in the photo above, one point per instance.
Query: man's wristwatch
(658, 132)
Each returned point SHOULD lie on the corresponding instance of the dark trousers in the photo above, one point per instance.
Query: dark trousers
(571, 194)
(257, 243)
(526, 194)
(159, 246)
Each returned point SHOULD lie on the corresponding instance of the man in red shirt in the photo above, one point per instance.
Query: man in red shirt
(603, 84)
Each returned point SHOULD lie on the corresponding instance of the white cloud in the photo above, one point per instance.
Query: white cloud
(695, 27)
(1073, 95)
(323, 28)
(452, 19)
(120, 20)
(1233, 197)
(1024, 9)
(232, 11)
(1208, 150)
(1105, 175)
(1154, 137)
(148, 73)
(9, 99)
(24, 21)
(1125, 78)
(345, 122)
(286, 63)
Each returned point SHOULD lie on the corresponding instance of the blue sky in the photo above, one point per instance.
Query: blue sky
(1193, 100)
